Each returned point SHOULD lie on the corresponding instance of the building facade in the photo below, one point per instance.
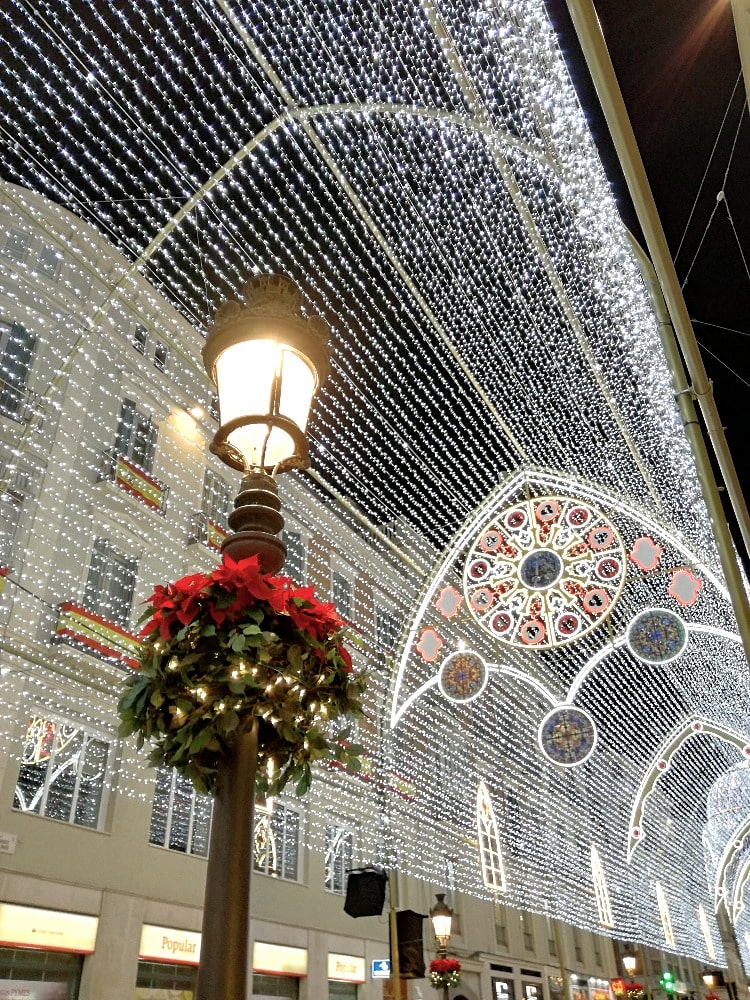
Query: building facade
(107, 488)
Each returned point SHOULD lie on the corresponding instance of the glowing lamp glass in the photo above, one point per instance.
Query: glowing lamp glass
(262, 378)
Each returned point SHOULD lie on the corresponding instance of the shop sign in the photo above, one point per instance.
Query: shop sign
(164, 944)
(279, 959)
(20, 989)
(346, 968)
(381, 968)
(53, 930)
(617, 986)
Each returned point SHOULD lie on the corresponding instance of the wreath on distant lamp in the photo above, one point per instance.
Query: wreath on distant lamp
(220, 648)
(635, 991)
(445, 972)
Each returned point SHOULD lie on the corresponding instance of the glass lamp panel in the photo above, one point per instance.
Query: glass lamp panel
(245, 374)
(297, 388)
(442, 926)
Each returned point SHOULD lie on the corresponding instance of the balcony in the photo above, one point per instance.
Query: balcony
(131, 478)
(206, 531)
(90, 632)
(17, 402)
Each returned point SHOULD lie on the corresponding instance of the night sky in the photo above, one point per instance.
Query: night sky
(679, 71)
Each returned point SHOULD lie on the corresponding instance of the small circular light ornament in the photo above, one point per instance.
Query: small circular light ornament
(544, 572)
(463, 676)
(567, 735)
(657, 635)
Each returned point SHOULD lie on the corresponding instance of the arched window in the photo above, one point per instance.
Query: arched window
(666, 920)
(601, 892)
(490, 855)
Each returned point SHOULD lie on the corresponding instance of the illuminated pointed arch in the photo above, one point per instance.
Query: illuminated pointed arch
(601, 890)
(660, 762)
(490, 852)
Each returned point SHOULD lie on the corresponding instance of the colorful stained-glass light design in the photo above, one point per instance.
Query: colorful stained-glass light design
(567, 735)
(463, 676)
(544, 572)
(657, 635)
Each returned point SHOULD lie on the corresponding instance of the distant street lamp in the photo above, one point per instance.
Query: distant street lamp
(267, 357)
(630, 963)
(441, 916)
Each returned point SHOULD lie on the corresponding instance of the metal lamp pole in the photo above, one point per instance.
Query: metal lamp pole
(267, 358)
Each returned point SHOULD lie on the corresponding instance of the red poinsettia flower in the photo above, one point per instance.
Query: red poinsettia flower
(443, 966)
(245, 580)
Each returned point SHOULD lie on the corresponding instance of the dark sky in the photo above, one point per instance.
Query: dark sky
(678, 67)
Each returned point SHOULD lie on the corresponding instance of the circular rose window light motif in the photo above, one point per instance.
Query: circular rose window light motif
(567, 735)
(657, 635)
(544, 572)
(463, 676)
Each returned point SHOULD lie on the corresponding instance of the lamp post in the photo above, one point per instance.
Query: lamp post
(441, 916)
(267, 358)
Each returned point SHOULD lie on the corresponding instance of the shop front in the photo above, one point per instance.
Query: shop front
(167, 963)
(277, 970)
(346, 973)
(42, 952)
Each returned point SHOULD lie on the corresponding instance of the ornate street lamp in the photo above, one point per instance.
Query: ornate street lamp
(441, 916)
(267, 357)
(630, 962)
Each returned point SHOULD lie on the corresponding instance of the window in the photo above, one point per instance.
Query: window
(707, 935)
(527, 926)
(161, 353)
(216, 502)
(276, 843)
(501, 925)
(386, 632)
(62, 775)
(213, 407)
(342, 594)
(666, 920)
(577, 945)
(110, 583)
(135, 438)
(48, 261)
(15, 486)
(296, 555)
(490, 854)
(17, 346)
(139, 338)
(601, 892)
(180, 816)
(339, 850)
(17, 244)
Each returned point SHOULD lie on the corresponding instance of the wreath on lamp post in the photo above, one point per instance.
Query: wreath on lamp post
(445, 972)
(221, 648)
(634, 991)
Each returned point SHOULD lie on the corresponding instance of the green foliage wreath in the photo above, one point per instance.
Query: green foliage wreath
(223, 647)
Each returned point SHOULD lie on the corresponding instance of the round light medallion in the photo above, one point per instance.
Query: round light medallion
(544, 572)
(567, 735)
(463, 676)
(657, 635)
